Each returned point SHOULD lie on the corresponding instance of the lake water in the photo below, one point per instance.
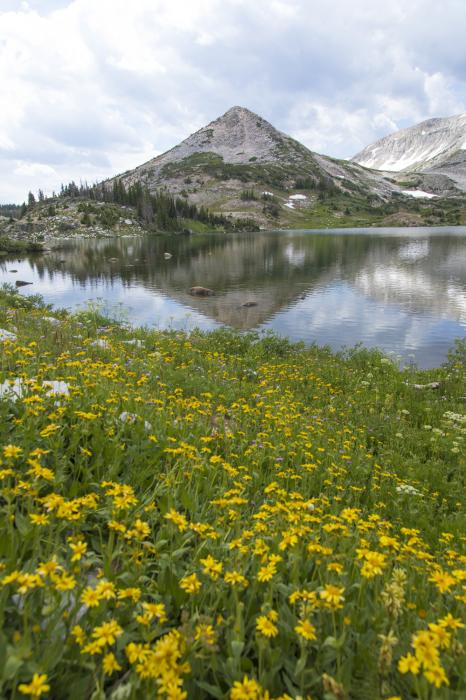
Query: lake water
(402, 290)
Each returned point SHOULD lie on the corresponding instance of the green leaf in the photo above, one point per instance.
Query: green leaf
(12, 666)
(2, 651)
(237, 648)
(98, 694)
(23, 524)
(210, 689)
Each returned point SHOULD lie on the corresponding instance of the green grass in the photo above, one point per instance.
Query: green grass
(355, 211)
(195, 226)
(8, 245)
(265, 519)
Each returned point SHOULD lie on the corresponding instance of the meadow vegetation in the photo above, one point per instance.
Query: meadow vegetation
(225, 516)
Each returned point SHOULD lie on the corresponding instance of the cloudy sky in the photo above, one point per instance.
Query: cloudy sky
(90, 88)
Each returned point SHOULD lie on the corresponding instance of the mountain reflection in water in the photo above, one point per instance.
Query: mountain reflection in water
(403, 290)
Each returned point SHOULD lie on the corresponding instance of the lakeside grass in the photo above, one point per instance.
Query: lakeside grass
(228, 516)
(9, 246)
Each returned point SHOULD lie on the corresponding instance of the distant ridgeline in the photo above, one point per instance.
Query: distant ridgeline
(161, 210)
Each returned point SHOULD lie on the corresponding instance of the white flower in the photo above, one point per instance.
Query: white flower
(408, 489)
(126, 417)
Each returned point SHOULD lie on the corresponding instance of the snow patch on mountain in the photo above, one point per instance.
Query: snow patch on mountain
(420, 194)
(419, 147)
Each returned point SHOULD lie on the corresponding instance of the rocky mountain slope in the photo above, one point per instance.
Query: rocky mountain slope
(242, 173)
(436, 148)
(241, 166)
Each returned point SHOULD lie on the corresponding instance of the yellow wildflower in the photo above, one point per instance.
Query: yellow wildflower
(408, 664)
(306, 629)
(236, 579)
(265, 626)
(107, 633)
(78, 548)
(332, 596)
(212, 567)
(206, 634)
(110, 664)
(12, 452)
(190, 584)
(443, 580)
(436, 675)
(247, 689)
(36, 687)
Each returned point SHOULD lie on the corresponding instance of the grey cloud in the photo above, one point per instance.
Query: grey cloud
(335, 74)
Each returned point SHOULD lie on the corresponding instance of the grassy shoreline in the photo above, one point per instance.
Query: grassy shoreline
(223, 515)
(9, 246)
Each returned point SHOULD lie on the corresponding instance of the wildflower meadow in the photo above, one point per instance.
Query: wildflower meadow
(219, 515)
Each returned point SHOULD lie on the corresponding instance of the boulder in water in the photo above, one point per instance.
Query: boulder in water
(201, 292)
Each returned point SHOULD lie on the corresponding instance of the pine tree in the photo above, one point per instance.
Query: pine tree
(86, 219)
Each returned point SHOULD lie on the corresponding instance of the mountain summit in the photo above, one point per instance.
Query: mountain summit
(242, 166)
(239, 136)
(435, 146)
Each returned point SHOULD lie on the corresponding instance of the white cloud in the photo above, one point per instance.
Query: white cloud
(33, 169)
(90, 88)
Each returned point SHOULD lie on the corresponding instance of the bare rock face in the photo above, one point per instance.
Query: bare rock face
(205, 161)
(238, 136)
(435, 146)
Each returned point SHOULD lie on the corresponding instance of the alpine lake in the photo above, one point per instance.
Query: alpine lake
(402, 290)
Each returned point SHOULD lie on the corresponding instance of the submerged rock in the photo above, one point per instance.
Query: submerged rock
(22, 283)
(201, 292)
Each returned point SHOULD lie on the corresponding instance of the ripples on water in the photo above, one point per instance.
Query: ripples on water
(403, 290)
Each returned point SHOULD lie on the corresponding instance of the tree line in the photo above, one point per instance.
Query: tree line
(161, 209)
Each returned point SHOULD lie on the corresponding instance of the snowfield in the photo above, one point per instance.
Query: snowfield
(419, 194)
(416, 147)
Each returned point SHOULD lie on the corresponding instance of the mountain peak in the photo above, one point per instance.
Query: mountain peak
(242, 122)
(422, 147)
(238, 136)
(239, 109)
(240, 112)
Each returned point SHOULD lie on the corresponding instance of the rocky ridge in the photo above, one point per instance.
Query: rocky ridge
(241, 150)
(435, 147)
